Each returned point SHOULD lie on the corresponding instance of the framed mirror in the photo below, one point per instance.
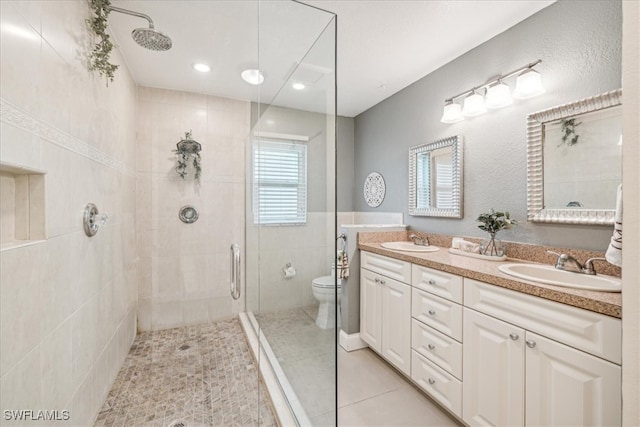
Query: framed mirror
(574, 161)
(435, 178)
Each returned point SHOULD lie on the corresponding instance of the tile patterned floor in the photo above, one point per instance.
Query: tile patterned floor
(199, 375)
(306, 354)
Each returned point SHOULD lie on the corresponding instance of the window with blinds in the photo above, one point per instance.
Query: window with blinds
(279, 183)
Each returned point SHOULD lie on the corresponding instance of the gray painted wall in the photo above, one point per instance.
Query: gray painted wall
(579, 43)
(344, 165)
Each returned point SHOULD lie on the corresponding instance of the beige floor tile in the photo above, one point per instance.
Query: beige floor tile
(403, 407)
(362, 374)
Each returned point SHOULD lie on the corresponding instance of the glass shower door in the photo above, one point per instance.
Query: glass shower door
(290, 223)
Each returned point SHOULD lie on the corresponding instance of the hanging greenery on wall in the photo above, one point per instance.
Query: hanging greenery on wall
(101, 52)
(569, 135)
(188, 154)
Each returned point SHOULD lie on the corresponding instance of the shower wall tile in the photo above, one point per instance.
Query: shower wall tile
(68, 305)
(183, 273)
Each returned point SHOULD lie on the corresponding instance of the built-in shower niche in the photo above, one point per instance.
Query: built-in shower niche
(22, 206)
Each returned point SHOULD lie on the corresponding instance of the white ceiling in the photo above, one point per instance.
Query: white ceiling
(383, 45)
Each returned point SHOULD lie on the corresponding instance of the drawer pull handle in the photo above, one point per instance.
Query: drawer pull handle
(514, 336)
(431, 346)
(431, 381)
(431, 312)
(531, 343)
(432, 282)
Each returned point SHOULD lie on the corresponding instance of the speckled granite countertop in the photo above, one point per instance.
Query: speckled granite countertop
(608, 303)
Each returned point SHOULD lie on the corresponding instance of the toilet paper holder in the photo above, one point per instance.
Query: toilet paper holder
(288, 272)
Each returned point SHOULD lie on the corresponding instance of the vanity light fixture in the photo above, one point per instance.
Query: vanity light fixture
(252, 76)
(473, 105)
(528, 85)
(497, 94)
(452, 112)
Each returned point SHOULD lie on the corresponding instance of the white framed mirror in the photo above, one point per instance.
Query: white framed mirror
(574, 161)
(435, 178)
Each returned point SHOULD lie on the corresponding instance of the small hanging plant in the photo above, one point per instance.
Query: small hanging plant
(568, 129)
(188, 154)
(101, 53)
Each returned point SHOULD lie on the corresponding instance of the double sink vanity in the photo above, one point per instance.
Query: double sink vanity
(491, 347)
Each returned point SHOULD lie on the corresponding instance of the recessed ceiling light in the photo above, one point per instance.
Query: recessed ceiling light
(203, 68)
(251, 76)
(298, 86)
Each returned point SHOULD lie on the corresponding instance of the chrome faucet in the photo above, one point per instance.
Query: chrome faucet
(419, 240)
(566, 262)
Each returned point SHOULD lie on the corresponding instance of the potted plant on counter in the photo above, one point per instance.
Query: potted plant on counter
(493, 222)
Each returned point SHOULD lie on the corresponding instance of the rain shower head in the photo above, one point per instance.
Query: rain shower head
(149, 38)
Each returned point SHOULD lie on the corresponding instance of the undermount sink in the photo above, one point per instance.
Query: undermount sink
(408, 247)
(552, 276)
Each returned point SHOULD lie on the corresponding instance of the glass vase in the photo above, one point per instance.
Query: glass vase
(492, 247)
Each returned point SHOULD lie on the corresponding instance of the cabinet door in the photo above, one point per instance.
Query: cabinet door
(568, 387)
(493, 366)
(396, 324)
(370, 310)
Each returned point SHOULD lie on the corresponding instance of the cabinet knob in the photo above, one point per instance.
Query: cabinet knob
(431, 381)
(514, 336)
(431, 346)
(531, 343)
(382, 282)
(431, 312)
(432, 282)
(377, 280)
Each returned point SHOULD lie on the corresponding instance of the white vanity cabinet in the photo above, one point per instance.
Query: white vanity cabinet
(385, 308)
(516, 376)
(436, 335)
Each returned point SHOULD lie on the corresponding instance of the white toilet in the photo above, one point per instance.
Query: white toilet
(324, 289)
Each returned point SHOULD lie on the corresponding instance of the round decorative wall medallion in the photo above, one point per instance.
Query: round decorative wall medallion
(374, 189)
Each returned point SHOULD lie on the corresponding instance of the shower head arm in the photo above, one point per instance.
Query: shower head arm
(132, 13)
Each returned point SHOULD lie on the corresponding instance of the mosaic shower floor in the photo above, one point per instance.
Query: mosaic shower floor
(199, 375)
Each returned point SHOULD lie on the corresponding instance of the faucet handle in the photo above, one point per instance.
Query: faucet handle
(562, 259)
(588, 265)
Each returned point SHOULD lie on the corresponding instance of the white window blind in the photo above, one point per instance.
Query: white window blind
(279, 182)
(443, 182)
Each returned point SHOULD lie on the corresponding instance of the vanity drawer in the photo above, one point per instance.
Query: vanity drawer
(441, 385)
(437, 282)
(585, 330)
(439, 313)
(393, 268)
(437, 347)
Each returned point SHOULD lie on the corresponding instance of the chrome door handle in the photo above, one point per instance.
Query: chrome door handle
(530, 343)
(235, 271)
(514, 336)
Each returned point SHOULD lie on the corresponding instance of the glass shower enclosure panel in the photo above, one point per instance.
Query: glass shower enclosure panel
(290, 226)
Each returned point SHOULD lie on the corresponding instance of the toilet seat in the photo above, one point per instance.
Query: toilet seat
(325, 282)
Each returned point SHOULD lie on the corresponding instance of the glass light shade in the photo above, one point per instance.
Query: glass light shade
(498, 96)
(452, 113)
(528, 85)
(473, 105)
(254, 77)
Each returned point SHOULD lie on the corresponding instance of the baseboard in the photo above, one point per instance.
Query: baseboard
(351, 342)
